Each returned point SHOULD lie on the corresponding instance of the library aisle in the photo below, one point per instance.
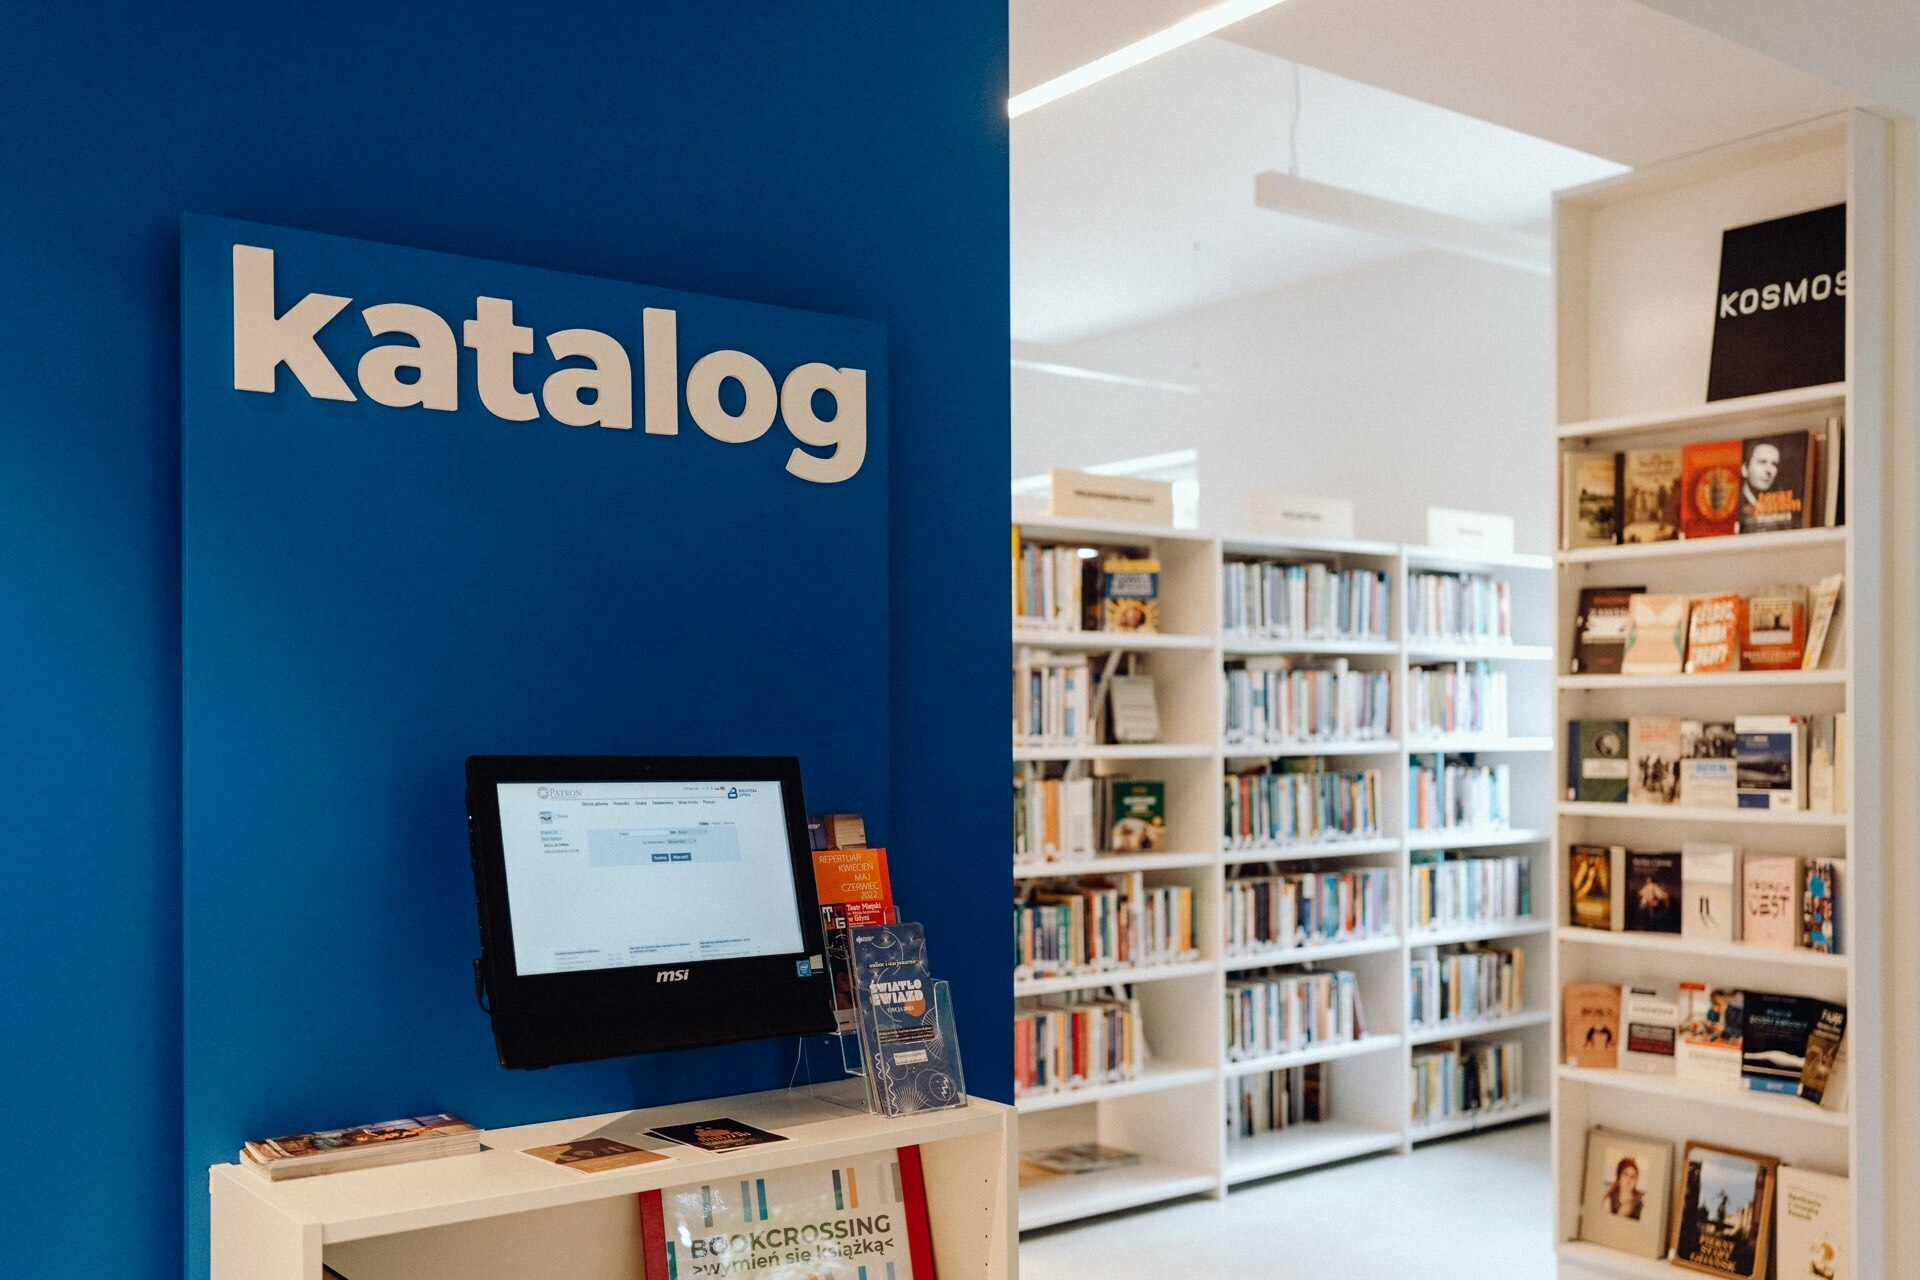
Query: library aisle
(1492, 1189)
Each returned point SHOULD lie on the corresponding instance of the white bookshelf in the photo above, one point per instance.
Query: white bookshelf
(1173, 1113)
(1636, 255)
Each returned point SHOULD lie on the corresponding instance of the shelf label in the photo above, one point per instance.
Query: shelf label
(1299, 515)
(1473, 532)
(1082, 495)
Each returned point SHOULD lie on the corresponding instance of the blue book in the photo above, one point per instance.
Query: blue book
(911, 1060)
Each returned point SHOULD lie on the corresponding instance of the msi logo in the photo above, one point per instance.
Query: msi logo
(672, 975)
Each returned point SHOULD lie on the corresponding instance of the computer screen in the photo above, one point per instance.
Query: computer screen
(630, 904)
(603, 875)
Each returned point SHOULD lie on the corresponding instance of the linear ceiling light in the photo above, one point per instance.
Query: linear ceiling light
(1098, 375)
(1185, 31)
(1303, 198)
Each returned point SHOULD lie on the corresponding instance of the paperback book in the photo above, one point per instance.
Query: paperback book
(912, 1065)
(1591, 1023)
(1130, 595)
(1769, 894)
(1814, 1215)
(1823, 1053)
(1820, 905)
(1707, 776)
(1656, 635)
(1775, 636)
(1596, 886)
(1826, 603)
(1653, 892)
(1592, 500)
(1710, 487)
(1708, 873)
(1714, 629)
(1709, 1051)
(1597, 761)
(1774, 1044)
(1650, 1029)
(1600, 629)
(1776, 482)
(1650, 484)
(1769, 755)
(1654, 744)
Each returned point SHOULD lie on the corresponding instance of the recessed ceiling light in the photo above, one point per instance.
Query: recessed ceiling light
(1185, 31)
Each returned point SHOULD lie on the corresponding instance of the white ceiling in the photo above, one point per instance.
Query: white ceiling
(1133, 199)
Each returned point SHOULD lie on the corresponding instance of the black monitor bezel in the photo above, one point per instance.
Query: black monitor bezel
(581, 1015)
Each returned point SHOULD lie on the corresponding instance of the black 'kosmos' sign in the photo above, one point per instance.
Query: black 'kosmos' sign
(1780, 317)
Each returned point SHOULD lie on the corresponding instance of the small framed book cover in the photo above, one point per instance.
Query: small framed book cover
(1623, 1203)
(1723, 1217)
(829, 1221)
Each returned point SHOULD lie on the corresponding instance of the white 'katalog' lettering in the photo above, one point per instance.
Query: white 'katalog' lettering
(597, 392)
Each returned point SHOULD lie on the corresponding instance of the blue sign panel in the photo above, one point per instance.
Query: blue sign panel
(434, 507)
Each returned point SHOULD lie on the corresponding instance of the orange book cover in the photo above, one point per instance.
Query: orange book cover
(854, 891)
(1714, 632)
(1775, 635)
(1591, 1024)
(1709, 489)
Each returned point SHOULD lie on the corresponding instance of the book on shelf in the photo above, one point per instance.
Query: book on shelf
(1775, 638)
(1591, 505)
(1596, 886)
(1709, 1050)
(1450, 889)
(1468, 608)
(1049, 591)
(1076, 1040)
(1457, 698)
(1770, 765)
(1813, 1218)
(1656, 634)
(1653, 743)
(1307, 909)
(1708, 874)
(1715, 625)
(1650, 495)
(1710, 488)
(1081, 1158)
(1820, 905)
(1649, 1028)
(1094, 924)
(1821, 1059)
(1137, 812)
(1600, 629)
(1289, 1010)
(1774, 1046)
(1276, 700)
(1052, 698)
(1777, 482)
(1723, 1223)
(1063, 811)
(1590, 1024)
(1653, 892)
(1306, 600)
(1769, 895)
(1598, 764)
(1275, 1101)
(1130, 594)
(1449, 792)
(865, 1211)
(1300, 800)
(363, 1146)
(1465, 983)
(1826, 604)
(1465, 1078)
(1707, 778)
(854, 890)
(1624, 1198)
(1133, 708)
(1827, 763)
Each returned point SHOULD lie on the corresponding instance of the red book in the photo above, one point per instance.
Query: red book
(1709, 489)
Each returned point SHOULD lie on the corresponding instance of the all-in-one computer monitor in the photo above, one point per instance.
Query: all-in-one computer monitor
(635, 904)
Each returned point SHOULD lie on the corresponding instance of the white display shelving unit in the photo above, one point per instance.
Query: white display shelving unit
(501, 1212)
(1174, 1115)
(1636, 270)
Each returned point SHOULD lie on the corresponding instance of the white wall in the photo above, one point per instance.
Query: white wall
(1413, 383)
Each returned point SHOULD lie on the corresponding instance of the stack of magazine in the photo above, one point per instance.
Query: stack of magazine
(363, 1146)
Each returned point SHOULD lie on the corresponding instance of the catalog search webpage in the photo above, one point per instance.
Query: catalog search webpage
(603, 875)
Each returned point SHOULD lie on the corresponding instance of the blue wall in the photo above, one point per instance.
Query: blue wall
(757, 151)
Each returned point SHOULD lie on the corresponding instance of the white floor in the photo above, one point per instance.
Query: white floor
(1468, 1209)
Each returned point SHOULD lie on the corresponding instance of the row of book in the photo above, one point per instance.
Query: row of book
(1075, 1041)
(1275, 1101)
(1072, 588)
(1465, 1078)
(1072, 816)
(1741, 1214)
(1053, 698)
(1449, 793)
(1281, 1013)
(1308, 600)
(1708, 893)
(1763, 1041)
(1101, 923)
(1268, 700)
(1454, 608)
(1307, 909)
(1632, 631)
(1749, 762)
(1709, 489)
(1300, 802)
(1457, 697)
(1464, 983)
(1448, 890)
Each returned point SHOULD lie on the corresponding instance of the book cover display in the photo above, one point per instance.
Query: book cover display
(1820, 905)
(1711, 1031)
(1623, 1203)
(1774, 1045)
(1823, 1053)
(1707, 778)
(1724, 1218)
(1597, 762)
(854, 891)
(912, 1061)
(1710, 488)
(1775, 635)
(1654, 744)
(1595, 886)
(1592, 500)
(1715, 626)
(1769, 762)
(1591, 1024)
(1653, 892)
(1776, 482)
(855, 1221)
(1769, 893)
(1600, 629)
(1813, 1220)
(1130, 595)
(1656, 635)
(1649, 1029)
(1650, 484)
(1708, 873)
